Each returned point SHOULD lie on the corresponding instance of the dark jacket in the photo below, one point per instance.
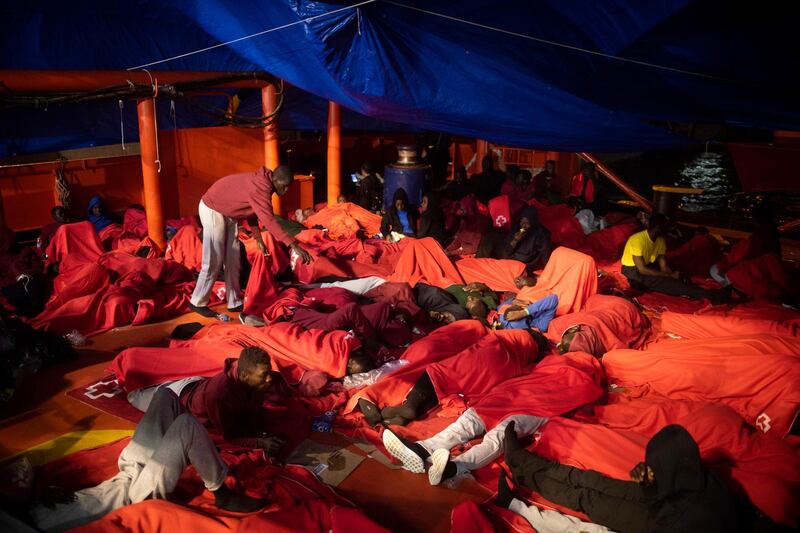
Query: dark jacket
(432, 221)
(685, 496)
(534, 249)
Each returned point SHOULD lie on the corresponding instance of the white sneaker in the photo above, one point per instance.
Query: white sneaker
(251, 320)
(411, 461)
(439, 459)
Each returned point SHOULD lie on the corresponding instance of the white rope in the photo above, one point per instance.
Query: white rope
(561, 45)
(226, 43)
(122, 125)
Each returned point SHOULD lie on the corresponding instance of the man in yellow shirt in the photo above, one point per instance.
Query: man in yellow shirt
(644, 263)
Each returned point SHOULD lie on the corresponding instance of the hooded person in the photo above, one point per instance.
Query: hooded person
(401, 217)
(671, 491)
(97, 213)
(432, 220)
(528, 242)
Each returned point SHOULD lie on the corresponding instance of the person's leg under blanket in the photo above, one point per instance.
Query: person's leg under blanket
(141, 398)
(345, 318)
(619, 505)
(673, 287)
(164, 442)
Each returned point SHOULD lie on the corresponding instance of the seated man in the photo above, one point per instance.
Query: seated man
(645, 265)
(670, 491)
(60, 216)
(229, 404)
(470, 374)
(165, 441)
(556, 386)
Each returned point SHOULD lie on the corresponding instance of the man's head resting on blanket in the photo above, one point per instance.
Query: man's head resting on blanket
(282, 177)
(359, 362)
(526, 280)
(476, 307)
(255, 368)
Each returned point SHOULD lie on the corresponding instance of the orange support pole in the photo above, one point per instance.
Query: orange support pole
(272, 152)
(619, 182)
(481, 149)
(334, 152)
(151, 168)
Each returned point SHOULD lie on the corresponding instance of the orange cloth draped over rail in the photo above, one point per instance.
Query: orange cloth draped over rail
(344, 220)
(616, 321)
(497, 274)
(443, 342)
(767, 469)
(424, 260)
(711, 326)
(759, 377)
(570, 275)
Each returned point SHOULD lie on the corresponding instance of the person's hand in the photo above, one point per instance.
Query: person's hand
(305, 257)
(642, 474)
(515, 313)
(675, 275)
(262, 248)
(520, 303)
(272, 446)
(52, 496)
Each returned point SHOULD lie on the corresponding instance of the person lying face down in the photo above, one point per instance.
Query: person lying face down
(470, 374)
(166, 440)
(229, 404)
(671, 491)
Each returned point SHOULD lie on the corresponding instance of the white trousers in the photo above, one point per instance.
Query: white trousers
(164, 443)
(551, 521)
(468, 426)
(360, 286)
(220, 248)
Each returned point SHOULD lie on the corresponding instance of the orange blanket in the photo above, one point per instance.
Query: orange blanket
(498, 274)
(616, 321)
(344, 220)
(759, 377)
(570, 275)
(711, 326)
(424, 260)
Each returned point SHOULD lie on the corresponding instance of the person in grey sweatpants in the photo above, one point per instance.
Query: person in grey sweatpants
(164, 443)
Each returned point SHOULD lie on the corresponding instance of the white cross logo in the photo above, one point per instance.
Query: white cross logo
(500, 221)
(93, 392)
(763, 422)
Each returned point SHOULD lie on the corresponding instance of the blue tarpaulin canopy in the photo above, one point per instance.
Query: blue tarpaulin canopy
(561, 75)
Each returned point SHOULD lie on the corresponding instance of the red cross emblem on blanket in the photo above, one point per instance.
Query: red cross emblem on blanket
(103, 389)
(763, 422)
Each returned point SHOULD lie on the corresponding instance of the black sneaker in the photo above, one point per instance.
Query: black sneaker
(202, 310)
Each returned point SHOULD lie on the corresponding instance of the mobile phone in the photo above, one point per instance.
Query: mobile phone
(354, 177)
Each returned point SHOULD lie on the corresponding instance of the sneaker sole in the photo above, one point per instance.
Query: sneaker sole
(439, 460)
(410, 460)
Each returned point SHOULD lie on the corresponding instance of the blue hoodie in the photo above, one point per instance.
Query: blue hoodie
(103, 219)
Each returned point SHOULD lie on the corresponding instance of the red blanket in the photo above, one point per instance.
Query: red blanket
(759, 377)
(498, 274)
(79, 239)
(186, 248)
(764, 277)
(134, 223)
(616, 321)
(696, 256)
(570, 275)
(471, 373)
(444, 342)
(424, 260)
(557, 385)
